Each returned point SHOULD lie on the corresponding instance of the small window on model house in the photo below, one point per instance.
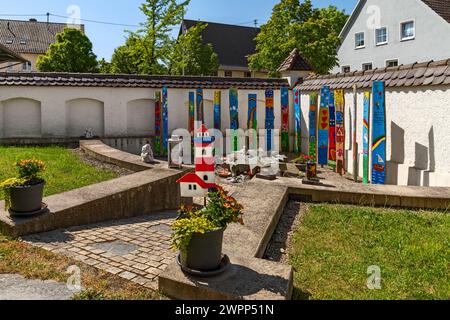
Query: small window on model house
(345, 69)
(205, 178)
(228, 74)
(248, 74)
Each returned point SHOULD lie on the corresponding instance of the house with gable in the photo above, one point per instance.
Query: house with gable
(386, 33)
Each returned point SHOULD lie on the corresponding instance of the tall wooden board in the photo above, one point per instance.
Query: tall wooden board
(355, 128)
(158, 124)
(298, 122)
(191, 111)
(340, 131)
(200, 112)
(285, 119)
(379, 134)
(234, 118)
(217, 110)
(324, 125)
(332, 132)
(313, 101)
(252, 122)
(165, 121)
(366, 137)
(270, 120)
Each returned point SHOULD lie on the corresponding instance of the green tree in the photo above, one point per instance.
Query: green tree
(72, 52)
(296, 24)
(147, 51)
(191, 56)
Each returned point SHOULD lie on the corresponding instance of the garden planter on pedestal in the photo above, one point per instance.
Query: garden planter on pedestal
(204, 255)
(27, 200)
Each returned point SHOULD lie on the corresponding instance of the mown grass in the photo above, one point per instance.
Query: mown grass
(17, 257)
(64, 170)
(335, 245)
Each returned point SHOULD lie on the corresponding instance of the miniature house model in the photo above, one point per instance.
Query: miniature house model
(198, 184)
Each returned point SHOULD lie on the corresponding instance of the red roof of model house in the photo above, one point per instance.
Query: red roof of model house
(193, 178)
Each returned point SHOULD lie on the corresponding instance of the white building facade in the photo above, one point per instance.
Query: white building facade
(386, 33)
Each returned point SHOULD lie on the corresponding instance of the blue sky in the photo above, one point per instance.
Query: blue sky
(106, 37)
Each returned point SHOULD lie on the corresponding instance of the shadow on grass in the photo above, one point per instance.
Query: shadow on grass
(300, 295)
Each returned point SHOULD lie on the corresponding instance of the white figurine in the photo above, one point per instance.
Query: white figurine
(147, 153)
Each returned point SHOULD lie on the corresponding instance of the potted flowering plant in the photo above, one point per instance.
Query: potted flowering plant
(23, 194)
(198, 233)
(301, 162)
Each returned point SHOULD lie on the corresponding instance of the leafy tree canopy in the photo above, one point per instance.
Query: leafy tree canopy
(72, 52)
(191, 56)
(296, 24)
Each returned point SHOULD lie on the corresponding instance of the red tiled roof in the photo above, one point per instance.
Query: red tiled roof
(295, 62)
(193, 178)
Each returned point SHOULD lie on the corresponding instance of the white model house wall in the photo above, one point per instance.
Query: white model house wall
(418, 134)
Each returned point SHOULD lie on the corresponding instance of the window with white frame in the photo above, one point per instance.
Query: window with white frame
(408, 30)
(392, 63)
(345, 69)
(26, 66)
(367, 66)
(381, 36)
(360, 40)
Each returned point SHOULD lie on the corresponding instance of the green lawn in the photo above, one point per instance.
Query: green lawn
(335, 245)
(65, 171)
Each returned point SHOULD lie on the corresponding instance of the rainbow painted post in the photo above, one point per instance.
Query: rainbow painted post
(285, 119)
(332, 132)
(298, 122)
(340, 131)
(234, 119)
(158, 132)
(324, 124)
(379, 134)
(366, 137)
(270, 120)
(165, 121)
(217, 110)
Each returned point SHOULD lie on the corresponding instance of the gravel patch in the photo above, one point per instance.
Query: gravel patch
(101, 165)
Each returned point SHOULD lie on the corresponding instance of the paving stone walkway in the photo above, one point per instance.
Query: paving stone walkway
(135, 249)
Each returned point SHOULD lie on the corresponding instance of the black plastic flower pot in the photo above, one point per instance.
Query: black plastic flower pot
(204, 252)
(27, 199)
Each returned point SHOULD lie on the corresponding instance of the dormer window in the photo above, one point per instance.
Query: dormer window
(9, 41)
(23, 42)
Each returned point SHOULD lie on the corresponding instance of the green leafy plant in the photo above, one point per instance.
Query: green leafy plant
(220, 211)
(28, 174)
(302, 159)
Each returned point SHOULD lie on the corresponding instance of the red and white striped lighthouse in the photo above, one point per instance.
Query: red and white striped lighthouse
(199, 183)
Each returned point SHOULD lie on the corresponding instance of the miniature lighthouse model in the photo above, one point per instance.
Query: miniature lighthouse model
(198, 184)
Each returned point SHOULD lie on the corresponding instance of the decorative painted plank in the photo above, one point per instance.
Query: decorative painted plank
(366, 133)
(340, 131)
(379, 134)
(313, 101)
(332, 131)
(285, 119)
(234, 118)
(270, 120)
(158, 131)
(298, 122)
(324, 125)
(217, 110)
(165, 121)
(191, 112)
(200, 112)
(252, 122)
(355, 127)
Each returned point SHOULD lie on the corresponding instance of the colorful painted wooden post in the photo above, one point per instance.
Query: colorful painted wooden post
(285, 119)
(340, 131)
(234, 118)
(165, 121)
(313, 101)
(324, 125)
(252, 121)
(158, 132)
(191, 112)
(298, 122)
(355, 127)
(217, 110)
(270, 120)
(366, 136)
(332, 132)
(200, 113)
(379, 134)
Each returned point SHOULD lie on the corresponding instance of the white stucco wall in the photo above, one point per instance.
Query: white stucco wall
(111, 112)
(418, 134)
(432, 40)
